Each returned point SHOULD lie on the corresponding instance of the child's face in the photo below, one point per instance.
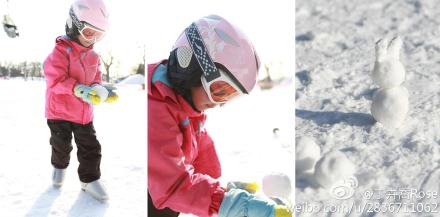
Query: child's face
(84, 42)
(201, 99)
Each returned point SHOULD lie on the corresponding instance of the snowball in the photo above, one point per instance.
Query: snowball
(388, 71)
(306, 154)
(277, 185)
(332, 168)
(390, 106)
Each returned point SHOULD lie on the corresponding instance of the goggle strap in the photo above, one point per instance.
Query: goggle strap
(210, 70)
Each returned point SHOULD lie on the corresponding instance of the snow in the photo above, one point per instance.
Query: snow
(333, 167)
(25, 169)
(390, 106)
(133, 79)
(388, 71)
(307, 153)
(277, 185)
(335, 55)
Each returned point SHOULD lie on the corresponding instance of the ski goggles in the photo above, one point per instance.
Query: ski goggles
(221, 89)
(91, 33)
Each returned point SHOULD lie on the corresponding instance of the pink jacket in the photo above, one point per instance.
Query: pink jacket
(182, 162)
(70, 64)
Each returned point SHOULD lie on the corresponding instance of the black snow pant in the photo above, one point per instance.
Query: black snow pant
(89, 149)
(154, 212)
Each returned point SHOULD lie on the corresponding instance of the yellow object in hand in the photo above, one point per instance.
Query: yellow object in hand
(95, 99)
(112, 98)
(282, 211)
(250, 187)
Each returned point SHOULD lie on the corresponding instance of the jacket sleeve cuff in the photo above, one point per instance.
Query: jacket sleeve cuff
(216, 200)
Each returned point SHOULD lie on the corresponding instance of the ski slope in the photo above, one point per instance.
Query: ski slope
(334, 60)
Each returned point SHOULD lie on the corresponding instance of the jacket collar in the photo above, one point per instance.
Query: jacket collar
(74, 45)
(156, 73)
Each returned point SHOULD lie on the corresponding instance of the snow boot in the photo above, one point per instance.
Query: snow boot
(58, 177)
(95, 189)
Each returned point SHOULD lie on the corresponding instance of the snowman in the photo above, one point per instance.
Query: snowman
(390, 102)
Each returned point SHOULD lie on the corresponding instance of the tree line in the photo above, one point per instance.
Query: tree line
(22, 69)
(31, 70)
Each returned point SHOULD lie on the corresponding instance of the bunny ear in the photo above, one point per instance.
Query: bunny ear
(394, 47)
(381, 49)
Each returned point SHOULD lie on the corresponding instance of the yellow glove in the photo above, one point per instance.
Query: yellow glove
(95, 99)
(282, 211)
(112, 97)
(250, 187)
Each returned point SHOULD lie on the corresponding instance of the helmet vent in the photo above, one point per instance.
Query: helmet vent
(225, 37)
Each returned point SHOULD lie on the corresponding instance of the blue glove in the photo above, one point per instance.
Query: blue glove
(86, 93)
(239, 203)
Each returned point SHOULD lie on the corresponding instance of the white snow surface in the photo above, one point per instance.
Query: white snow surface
(388, 70)
(335, 55)
(277, 185)
(307, 153)
(333, 167)
(133, 79)
(390, 106)
(25, 168)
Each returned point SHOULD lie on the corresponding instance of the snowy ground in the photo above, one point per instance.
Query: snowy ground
(242, 131)
(25, 169)
(334, 58)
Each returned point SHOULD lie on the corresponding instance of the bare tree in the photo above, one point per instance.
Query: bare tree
(108, 62)
(266, 82)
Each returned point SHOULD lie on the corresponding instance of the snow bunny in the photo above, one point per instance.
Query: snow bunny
(73, 81)
(390, 102)
(388, 71)
(211, 63)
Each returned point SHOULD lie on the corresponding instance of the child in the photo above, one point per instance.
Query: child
(211, 63)
(73, 81)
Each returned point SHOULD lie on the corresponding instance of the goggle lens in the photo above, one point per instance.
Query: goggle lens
(222, 91)
(89, 33)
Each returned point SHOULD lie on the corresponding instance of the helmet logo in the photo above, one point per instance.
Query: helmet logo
(210, 70)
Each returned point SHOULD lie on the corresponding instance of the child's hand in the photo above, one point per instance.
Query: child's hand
(87, 94)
